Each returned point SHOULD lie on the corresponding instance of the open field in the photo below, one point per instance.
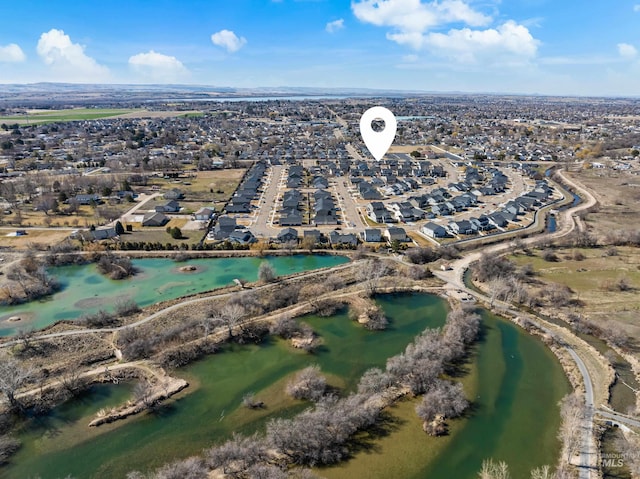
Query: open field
(161, 114)
(85, 217)
(206, 186)
(38, 117)
(160, 235)
(618, 194)
(75, 114)
(594, 281)
(32, 238)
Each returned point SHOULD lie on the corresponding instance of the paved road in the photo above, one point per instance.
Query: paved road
(262, 224)
(348, 205)
(618, 418)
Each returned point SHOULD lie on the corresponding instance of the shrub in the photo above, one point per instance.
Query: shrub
(308, 384)
(578, 256)
(127, 308)
(421, 255)
(101, 319)
(266, 273)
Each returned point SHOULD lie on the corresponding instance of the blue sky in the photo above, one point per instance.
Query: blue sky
(505, 46)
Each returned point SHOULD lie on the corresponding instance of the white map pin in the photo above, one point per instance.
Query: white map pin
(378, 142)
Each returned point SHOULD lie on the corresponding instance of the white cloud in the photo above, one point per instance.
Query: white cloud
(158, 67)
(68, 60)
(626, 50)
(413, 16)
(335, 25)
(228, 40)
(12, 53)
(414, 22)
(508, 42)
(636, 7)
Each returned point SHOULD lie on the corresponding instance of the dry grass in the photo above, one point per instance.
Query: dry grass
(38, 239)
(215, 185)
(618, 194)
(594, 280)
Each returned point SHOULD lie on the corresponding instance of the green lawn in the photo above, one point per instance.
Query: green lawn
(64, 115)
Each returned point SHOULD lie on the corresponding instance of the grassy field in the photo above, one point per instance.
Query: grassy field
(38, 238)
(153, 235)
(593, 281)
(618, 194)
(85, 217)
(75, 114)
(207, 186)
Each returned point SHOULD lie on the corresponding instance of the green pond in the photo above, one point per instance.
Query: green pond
(85, 290)
(513, 381)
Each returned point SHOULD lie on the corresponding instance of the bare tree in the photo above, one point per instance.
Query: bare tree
(444, 399)
(308, 243)
(370, 273)
(308, 384)
(8, 446)
(494, 470)
(191, 468)
(143, 392)
(266, 273)
(13, 376)
(572, 414)
(236, 455)
(232, 313)
(374, 381)
(543, 472)
(73, 382)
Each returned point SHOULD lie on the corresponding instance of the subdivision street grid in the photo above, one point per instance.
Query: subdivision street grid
(351, 210)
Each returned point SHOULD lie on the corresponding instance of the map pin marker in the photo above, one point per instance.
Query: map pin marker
(378, 142)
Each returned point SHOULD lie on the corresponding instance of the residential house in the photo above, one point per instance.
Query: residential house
(155, 219)
(441, 209)
(349, 239)
(377, 212)
(171, 206)
(319, 182)
(223, 228)
(87, 199)
(287, 235)
(315, 234)
(290, 217)
(203, 214)
(394, 233)
(241, 236)
(371, 235)
(497, 219)
(462, 227)
(434, 230)
(103, 233)
(173, 194)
